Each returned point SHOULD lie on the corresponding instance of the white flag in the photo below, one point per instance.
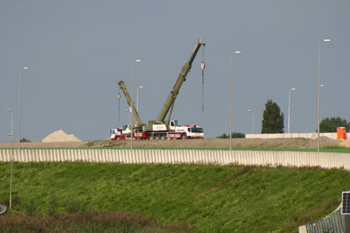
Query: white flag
(130, 109)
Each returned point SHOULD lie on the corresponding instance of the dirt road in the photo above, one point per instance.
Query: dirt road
(205, 143)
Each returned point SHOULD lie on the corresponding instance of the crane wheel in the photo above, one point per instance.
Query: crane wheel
(151, 138)
(183, 136)
(162, 137)
(157, 137)
(118, 138)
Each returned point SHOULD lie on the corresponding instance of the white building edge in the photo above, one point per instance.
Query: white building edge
(294, 135)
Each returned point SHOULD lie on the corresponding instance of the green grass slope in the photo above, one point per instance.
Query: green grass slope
(211, 198)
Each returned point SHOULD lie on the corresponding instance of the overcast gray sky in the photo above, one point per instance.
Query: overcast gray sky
(77, 51)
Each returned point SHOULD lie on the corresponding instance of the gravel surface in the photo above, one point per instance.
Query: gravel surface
(194, 143)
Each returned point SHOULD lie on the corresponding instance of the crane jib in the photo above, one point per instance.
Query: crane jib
(123, 91)
(177, 81)
(130, 103)
(182, 77)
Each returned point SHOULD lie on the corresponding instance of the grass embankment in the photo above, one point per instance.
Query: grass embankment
(211, 198)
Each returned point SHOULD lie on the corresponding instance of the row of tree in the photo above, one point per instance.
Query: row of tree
(234, 135)
(273, 120)
(331, 125)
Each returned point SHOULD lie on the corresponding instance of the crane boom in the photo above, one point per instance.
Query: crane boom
(128, 99)
(174, 92)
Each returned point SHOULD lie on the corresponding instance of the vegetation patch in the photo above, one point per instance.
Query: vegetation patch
(90, 144)
(94, 221)
(209, 198)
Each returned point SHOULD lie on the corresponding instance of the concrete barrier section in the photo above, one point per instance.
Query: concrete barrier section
(219, 157)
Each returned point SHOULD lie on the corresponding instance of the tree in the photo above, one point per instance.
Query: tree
(330, 125)
(25, 140)
(234, 135)
(272, 118)
(223, 136)
(238, 135)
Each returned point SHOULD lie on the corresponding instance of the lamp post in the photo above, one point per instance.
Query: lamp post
(137, 101)
(318, 93)
(132, 96)
(252, 120)
(11, 159)
(19, 112)
(129, 115)
(293, 89)
(236, 52)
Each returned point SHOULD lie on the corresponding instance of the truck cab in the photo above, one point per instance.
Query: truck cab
(186, 131)
(121, 133)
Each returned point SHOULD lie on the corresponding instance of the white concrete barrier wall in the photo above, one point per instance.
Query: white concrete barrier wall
(294, 135)
(219, 157)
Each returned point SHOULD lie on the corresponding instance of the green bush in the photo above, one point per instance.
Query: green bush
(234, 135)
(25, 140)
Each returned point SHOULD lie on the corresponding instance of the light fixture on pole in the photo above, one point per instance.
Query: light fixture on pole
(132, 97)
(137, 101)
(318, 93)
(19, 112)
(292, 89)
(252, 120)
(11, 159)
(236, 52)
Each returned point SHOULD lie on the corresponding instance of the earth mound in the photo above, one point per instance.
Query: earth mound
(345, 143)
(61, 136)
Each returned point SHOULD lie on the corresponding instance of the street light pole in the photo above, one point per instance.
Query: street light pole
(293, 89)
(253, 119)
(128, 115)
(11, 159)
(132, 96)
(137, 101)
(318, 93)
(19, 112)
(236, 52)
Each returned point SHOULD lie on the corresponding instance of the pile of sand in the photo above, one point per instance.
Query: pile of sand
(60, 136)
(346, 143)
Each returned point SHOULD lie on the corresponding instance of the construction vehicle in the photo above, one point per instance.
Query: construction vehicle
(173, 131)
(184, 132)
(159, 128)
(121, 133)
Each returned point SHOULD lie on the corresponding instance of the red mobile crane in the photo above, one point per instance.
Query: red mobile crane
(160, 129)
